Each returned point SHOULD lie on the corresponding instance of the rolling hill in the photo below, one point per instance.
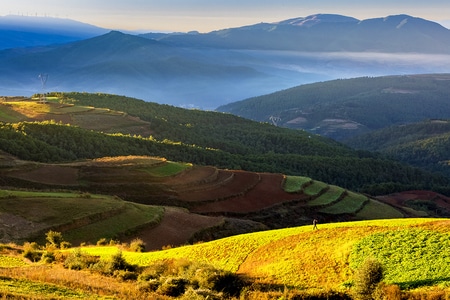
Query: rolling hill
(345, 108)
(262, 265)
(203, 138)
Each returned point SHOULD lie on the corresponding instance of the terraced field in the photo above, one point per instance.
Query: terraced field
(206, 198)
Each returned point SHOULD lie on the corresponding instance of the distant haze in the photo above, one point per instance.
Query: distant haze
(207, 15)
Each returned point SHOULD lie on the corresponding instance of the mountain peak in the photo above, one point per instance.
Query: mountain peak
(312, 20)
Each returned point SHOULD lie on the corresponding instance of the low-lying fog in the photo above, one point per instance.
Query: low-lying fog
(240, 74)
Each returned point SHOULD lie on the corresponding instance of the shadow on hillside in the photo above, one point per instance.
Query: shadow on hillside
(421, 283)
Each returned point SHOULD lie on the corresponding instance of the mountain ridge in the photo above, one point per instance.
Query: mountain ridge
(208, 70)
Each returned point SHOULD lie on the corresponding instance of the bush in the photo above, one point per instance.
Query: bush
(116, 263)
(153, 271)
(77, 260)
(102, 242)
(228, 283)
(54, 239)
(367, 279)
(48, 257)
(201, 294)
(65, 245)
(125, 275)
(31, 251)
(173, 287)
(137, 245)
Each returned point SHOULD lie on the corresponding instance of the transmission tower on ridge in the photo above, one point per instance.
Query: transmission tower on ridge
(43, 78)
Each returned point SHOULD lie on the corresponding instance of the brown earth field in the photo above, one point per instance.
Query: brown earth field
(437, 204)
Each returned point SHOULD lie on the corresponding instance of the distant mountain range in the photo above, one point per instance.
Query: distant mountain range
(26, 31)
(328, 33)
(212, 69)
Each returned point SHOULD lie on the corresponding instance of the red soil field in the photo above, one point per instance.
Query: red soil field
(228, 184)
(266, 193)
(49, 174)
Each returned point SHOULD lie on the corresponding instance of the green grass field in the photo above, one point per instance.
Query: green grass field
(27, 289)
(315, 188)
(133, 216)
(295, 184)
(350, 204)
(168, 169)
(331, 195)
(102, 216)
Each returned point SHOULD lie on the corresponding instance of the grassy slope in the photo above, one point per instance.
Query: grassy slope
(98, 215)
(324, 258)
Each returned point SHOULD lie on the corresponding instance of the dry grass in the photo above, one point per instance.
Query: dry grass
(82, 282)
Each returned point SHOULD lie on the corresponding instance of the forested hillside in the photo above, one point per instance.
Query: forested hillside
(204, 138)
(345, 108)
(425, 144)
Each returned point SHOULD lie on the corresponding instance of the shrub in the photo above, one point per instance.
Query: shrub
(116, 263)
(125, 275)
(77, 260)
(149, 286)
(367, 279)
(54, 239)
(31, 251)
(153, 271)
(173, 286)
(102, 242)
(137, 245)
(228, 283)
(48, 257)
(201, 294)
(65, 245)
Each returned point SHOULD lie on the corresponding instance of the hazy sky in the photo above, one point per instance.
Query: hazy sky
(207, 15)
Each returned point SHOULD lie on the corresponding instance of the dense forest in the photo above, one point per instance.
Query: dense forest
(210, 138)
(425, 144)
(368, 103)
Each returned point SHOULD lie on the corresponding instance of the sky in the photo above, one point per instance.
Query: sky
(209, 15)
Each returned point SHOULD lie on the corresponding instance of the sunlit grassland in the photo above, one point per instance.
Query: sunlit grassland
(30, 108)
(299, 257)
(294, 184)
(7, 261)
(332, 194)
(54, 282)
(412, 257)
(168, 169)
(315, 188)
(26, 289)
(130, 160)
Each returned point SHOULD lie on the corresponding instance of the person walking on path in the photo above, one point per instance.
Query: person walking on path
(315, 224)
